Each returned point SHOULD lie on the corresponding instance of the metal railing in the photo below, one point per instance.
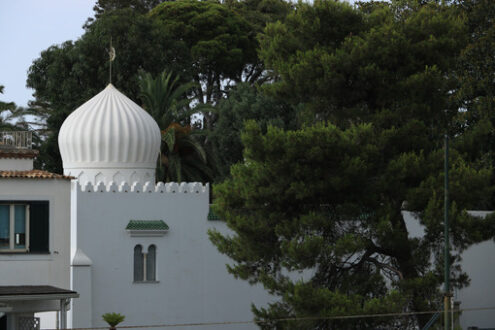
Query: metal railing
(16, 140)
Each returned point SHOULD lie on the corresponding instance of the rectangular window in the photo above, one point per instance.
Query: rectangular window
(13, 224)
(24, 227)
(4, 227)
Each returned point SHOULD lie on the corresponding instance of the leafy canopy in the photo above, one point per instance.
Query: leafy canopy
(327, 200)
(245, 102)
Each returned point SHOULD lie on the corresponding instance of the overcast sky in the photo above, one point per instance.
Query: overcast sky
(28, 27)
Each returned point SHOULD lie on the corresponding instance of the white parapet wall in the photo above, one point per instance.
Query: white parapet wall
(107, 175)
(192, 284)
(148, 187)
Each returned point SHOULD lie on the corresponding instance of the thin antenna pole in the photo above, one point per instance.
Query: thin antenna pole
(446, 237)
(111, 60)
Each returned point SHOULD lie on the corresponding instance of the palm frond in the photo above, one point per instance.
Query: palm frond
(169, 138)
(165, 98)
(189, 141)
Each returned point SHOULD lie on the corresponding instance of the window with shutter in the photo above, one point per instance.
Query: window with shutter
(24, 227)
(39, 227)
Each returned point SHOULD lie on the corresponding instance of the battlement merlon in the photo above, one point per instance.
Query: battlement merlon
(147, 187)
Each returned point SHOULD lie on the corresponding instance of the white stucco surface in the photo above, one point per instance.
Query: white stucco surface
(479, 263)
(192, 285)
(17, 164)
(40, 269)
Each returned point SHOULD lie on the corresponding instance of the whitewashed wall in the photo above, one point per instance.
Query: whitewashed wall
(40, 269)
(18, 164)
(194, 285)
(479, 263)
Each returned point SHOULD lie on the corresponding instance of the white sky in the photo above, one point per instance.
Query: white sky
(28, 27)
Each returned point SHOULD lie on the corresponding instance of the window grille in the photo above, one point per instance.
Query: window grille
(28, 323)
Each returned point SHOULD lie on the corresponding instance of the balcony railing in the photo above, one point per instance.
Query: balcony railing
(16, 140)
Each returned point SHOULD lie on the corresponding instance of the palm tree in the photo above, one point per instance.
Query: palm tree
(165, 98)
(182, 154)
(185, 158)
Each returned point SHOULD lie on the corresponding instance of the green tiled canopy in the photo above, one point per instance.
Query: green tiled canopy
(146, 225)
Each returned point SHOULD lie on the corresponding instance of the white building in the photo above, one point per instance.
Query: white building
(139, 248)
(34, 236)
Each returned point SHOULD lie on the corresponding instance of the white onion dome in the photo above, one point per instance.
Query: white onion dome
(110, 138)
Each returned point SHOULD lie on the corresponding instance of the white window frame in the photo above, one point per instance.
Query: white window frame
(12, 248)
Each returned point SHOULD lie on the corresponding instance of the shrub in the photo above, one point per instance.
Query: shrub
(113, 318)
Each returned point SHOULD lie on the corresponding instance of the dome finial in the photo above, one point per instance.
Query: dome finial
(111, 55)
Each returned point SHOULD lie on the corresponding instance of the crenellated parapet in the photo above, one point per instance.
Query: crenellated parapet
(148, 187)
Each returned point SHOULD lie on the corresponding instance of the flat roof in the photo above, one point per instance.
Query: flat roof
(34, 292)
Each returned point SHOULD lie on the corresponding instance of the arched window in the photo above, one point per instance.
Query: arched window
(138, 264)
(145, 264)
(151, 263)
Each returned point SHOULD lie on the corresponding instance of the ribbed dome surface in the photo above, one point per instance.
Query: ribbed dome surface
(109, 131)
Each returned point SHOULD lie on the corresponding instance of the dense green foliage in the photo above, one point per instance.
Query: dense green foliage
(245, 102)
(215, 45)
(327, 200)
(477, 91)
